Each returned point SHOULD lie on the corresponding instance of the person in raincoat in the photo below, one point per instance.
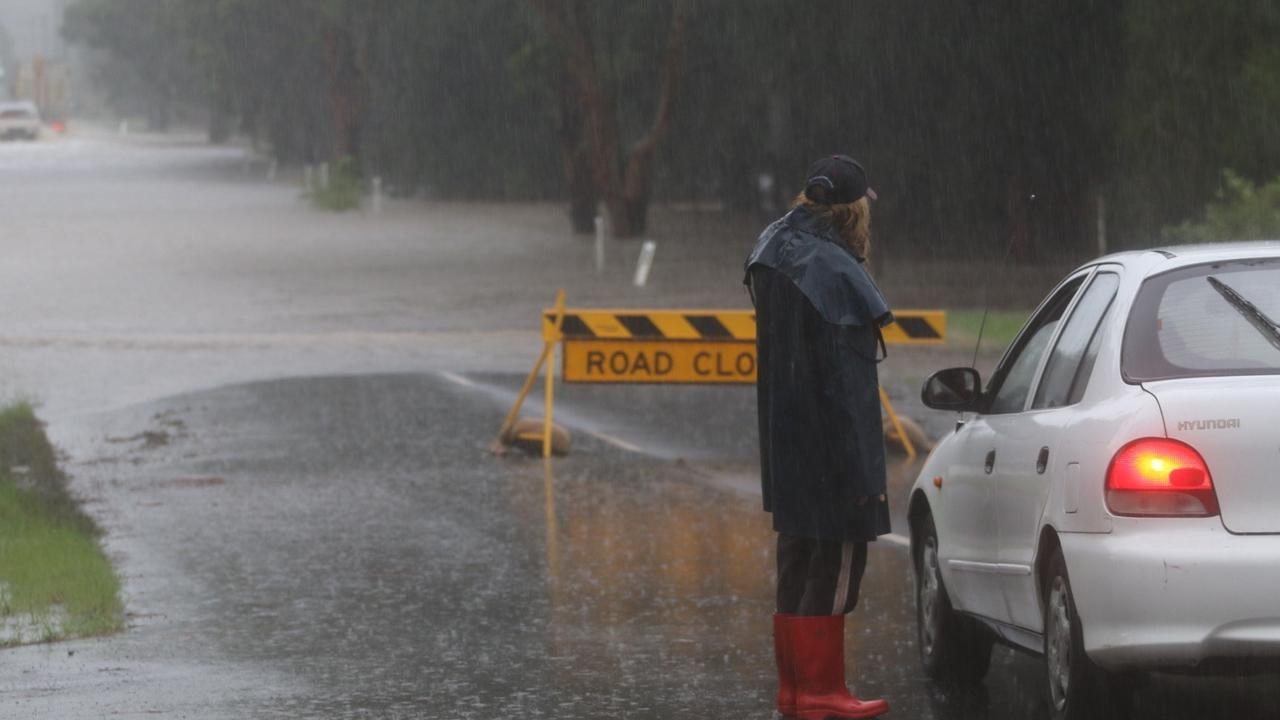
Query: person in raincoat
(822, 457)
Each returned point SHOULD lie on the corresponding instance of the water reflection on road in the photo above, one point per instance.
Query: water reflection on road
(684, 579)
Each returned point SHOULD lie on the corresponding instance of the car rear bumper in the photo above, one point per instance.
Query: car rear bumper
(1174, 593)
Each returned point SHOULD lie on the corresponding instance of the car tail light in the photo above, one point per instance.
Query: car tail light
(1162, 478)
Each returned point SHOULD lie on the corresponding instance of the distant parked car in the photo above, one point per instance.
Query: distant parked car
(1110, 501)
(19, 120)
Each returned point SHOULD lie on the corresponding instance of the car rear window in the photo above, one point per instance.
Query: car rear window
(1211, 319)
(18, 113)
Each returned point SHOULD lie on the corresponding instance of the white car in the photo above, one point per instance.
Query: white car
(19, 120)
(1111, 500)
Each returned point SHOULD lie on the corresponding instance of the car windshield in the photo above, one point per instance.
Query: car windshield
(11, 113)
(1211, 319)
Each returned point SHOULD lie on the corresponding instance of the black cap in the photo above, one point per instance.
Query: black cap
(836, 180)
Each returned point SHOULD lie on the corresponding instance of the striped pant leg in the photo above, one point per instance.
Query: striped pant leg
(819, 577)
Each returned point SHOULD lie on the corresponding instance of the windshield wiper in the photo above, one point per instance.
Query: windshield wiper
(1258, 319)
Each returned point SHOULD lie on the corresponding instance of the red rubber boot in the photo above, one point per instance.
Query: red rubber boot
(786, 668)
(817, 655)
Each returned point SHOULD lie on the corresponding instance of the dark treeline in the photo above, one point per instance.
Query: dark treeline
(961, 110)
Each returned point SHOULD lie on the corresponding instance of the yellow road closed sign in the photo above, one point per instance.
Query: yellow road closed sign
(686, 346)
(673, 346)
(640, 361)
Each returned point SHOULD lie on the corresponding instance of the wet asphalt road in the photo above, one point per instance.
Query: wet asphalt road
(345, 547)
(288, 456)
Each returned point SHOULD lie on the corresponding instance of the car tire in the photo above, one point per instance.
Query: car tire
(953, 648)
(1077, 688)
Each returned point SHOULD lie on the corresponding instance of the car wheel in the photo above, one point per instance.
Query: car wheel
(952, 647)
(1077, 688)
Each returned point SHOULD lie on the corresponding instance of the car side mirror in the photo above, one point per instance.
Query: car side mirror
(958, 389)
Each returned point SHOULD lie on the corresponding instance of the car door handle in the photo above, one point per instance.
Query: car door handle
(991, 461)
(1042, 461)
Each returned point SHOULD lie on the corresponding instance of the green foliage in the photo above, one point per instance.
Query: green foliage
(345, 188)
(23, 444)
(147, 46)
(1241, 210)
(1001, 328)
(49, 565)
(52, 570)
(1201, 92)
(960, 111)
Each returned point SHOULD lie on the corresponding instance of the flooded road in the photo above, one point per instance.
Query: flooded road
(312, 526)
(349, 539)
(344, 547)
(137, 268)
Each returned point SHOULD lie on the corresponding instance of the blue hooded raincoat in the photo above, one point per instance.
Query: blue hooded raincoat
(818, 319)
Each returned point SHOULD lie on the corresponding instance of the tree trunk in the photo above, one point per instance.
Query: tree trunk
(635, 187)
(159, 113)
(219, 121)
(583, 197)
(1019, 208)
(626, 197)
(344, 92)
(637, 212)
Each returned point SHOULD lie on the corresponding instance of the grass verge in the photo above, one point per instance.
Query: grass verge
(55, 581)
(1002, 327)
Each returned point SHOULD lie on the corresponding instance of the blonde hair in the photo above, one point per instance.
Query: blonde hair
(851, 221)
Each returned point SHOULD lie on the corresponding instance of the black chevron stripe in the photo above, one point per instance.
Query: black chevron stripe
(708, 326)
(918, 328)
(574, 326)
(640, 326)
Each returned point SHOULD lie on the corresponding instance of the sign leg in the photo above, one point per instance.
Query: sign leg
(514, 412)
(897, 425)
(549, 402)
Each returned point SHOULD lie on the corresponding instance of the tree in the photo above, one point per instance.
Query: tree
(1241, 210)
(621, 177)
(148, 51)
(345, 39)
(1201, 92)
(8, 63)
(960, 111)
(283, 69)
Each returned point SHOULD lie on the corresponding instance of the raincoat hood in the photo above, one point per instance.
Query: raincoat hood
(802, 247)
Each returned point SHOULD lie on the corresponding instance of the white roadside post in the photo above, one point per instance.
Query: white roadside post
(307, 172)
(324, 176)
(645, 262)
(377, 194)
(272, 167)
(600, 238)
